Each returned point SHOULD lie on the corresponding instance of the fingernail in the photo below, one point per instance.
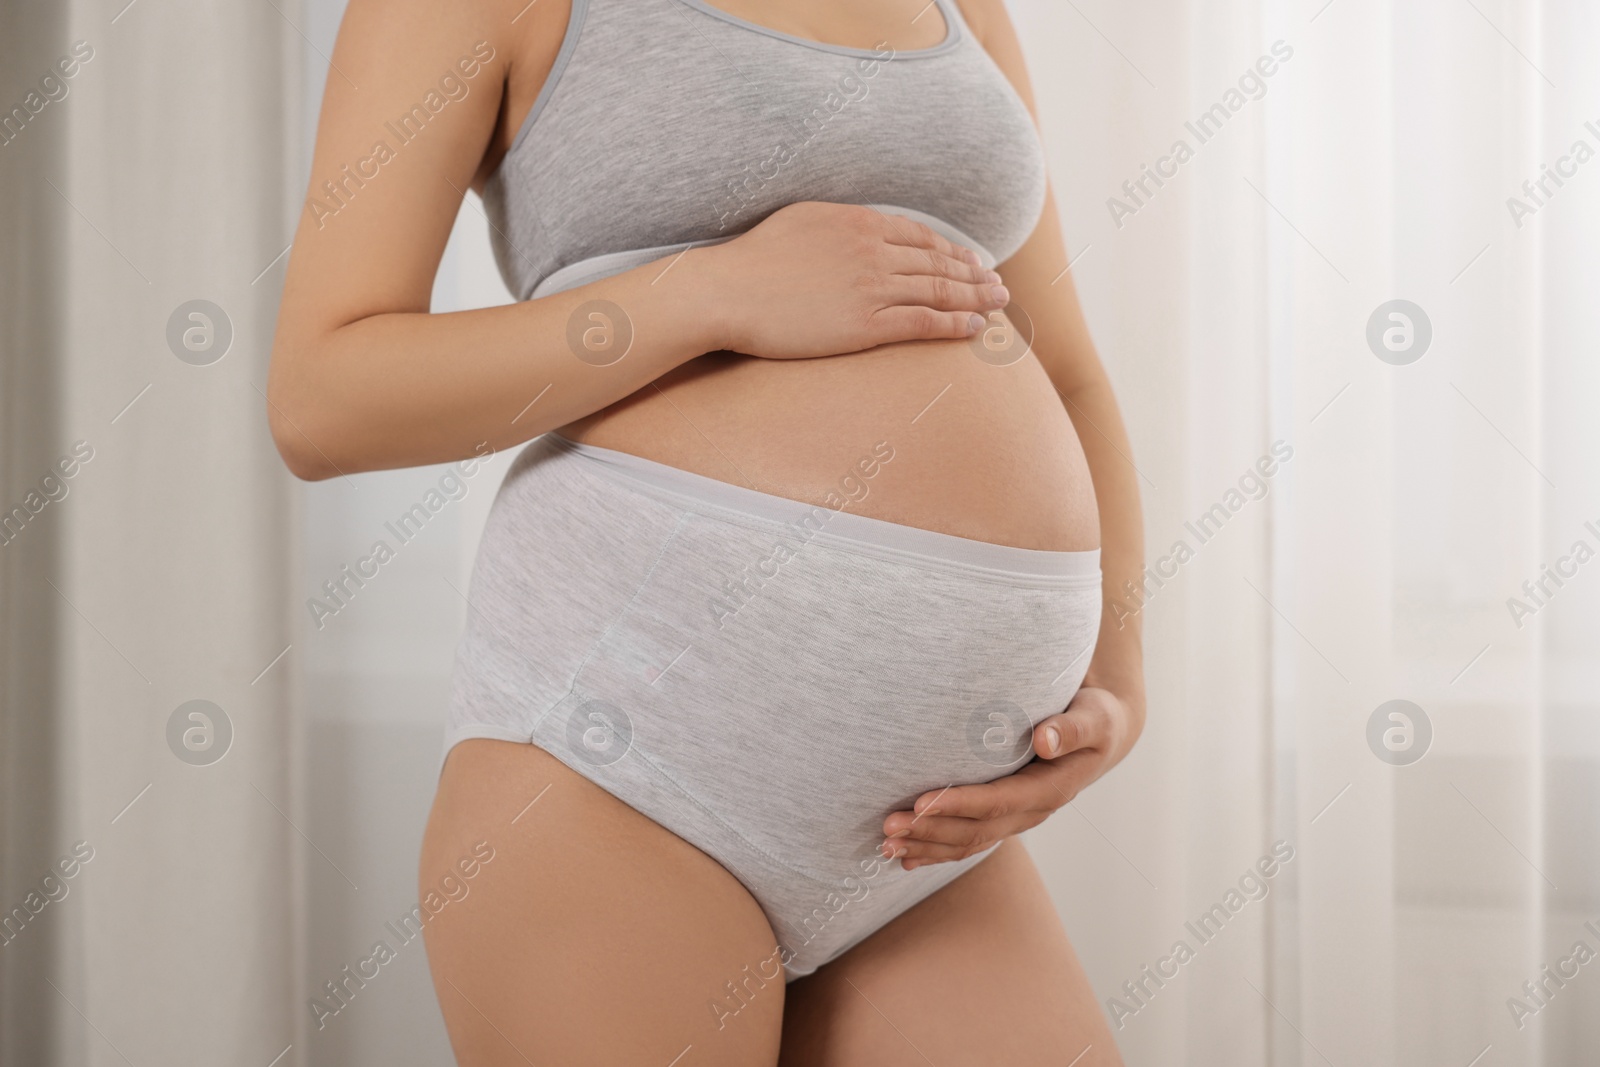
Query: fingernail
(899, 852)
(903, 833)
(971, 257)
(974, 323)
(999, 294)
(1052, 739)
(992, 277)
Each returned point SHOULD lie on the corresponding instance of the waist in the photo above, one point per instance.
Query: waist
(922, 434)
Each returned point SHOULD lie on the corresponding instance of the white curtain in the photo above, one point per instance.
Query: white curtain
(1355, 524)
(1374, 164)
(148, 887)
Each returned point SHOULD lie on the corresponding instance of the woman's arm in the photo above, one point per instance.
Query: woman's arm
(1107, 715)
(364, 378)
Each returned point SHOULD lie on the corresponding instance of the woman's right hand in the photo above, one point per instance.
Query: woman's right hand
(820, 279)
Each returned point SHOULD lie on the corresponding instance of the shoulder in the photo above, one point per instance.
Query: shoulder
(496, 31)
(535, 28)
(984, 16)
(990, 23)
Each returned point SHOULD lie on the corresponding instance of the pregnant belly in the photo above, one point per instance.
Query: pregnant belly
(920, 433)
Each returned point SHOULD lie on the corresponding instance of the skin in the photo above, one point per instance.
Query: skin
(641, 928)
(979, 973)
(364, 378)
(628, 922)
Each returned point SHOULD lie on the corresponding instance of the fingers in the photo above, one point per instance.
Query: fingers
(955, 823)
(1083, 725)
(899, 230)
(941, 839)
(960, 821)
(945, 839)
(902, 323)
(944, 294)
(946, 830)
(986, 800)
(934, 307)
(896, 259)
(1059, 734)
(1015, 796)
(1033, 788)
(926, 855)
(926, 278)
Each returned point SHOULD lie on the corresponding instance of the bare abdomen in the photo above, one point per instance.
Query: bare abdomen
(973, 449)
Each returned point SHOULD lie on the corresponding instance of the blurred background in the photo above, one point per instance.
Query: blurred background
(1375, 265)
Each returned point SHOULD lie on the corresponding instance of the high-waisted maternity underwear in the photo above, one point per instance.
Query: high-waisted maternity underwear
(765, 678)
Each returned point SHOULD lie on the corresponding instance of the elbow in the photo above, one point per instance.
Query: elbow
(297, 452)
(290, 424)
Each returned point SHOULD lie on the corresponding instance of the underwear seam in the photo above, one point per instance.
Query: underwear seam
(533, 739)
(683, 519)
(572, 686)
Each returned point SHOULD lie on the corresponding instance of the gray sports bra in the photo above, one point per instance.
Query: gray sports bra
(670, 123)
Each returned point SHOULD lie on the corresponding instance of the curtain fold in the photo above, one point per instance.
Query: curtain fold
(150, 859)
(32, 822)
(1440, 460)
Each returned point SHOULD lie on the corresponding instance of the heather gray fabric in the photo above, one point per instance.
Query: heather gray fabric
(766, 679)
(668, 122)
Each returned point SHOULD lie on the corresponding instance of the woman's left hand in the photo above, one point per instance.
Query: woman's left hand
(1074, 748)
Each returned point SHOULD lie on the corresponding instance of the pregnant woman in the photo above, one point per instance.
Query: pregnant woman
(790, 619)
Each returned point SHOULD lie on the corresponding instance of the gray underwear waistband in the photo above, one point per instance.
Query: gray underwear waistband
(841, 529)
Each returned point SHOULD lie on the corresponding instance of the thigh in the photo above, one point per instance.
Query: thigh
(592, 935)
(980, 972)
